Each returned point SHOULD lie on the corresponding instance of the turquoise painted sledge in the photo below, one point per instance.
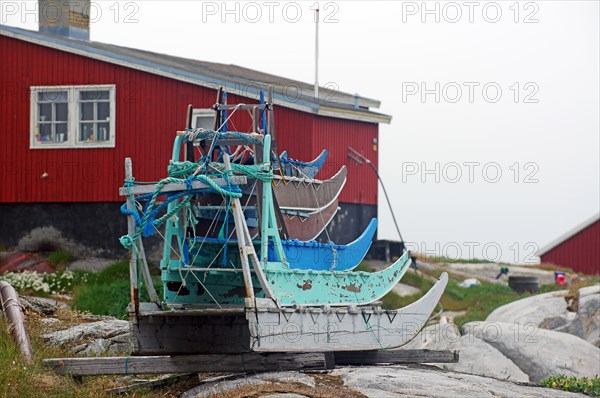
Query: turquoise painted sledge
(298, 254)
(225, 287)
(271, 276)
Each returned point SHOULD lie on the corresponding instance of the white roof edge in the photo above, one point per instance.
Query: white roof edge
(333, 112)
(351, 115)
(569, 234)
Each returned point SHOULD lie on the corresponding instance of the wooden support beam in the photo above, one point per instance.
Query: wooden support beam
(133, 268)
(395, 357)
(248, 362)
(180, 186)
(242, 107)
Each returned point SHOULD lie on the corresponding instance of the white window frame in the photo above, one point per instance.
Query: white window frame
(73, 115)
(206, 113)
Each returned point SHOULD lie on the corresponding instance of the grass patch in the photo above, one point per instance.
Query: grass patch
(18, 379)
(107, 292)
(60, 259)
(574, 384)
(450, 260)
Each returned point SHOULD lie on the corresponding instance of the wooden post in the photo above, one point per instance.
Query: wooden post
(243, 236)
(246, 247)
(133, 269)
(140, 246)
(146, 273)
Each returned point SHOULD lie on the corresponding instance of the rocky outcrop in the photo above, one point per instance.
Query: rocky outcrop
(106, 336)
(218, 388)
(579, 316)
(538, 352)
(402, 381)
(440, 336)
(479, 358)
(39, 305)
(532, 310)
(380, 382)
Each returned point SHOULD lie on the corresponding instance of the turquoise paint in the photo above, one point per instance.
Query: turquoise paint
(304, 287)
(185, 284)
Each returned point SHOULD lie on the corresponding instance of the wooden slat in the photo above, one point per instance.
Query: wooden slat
(242, 107)
(395, 357)
(248, 362)
(179, 186)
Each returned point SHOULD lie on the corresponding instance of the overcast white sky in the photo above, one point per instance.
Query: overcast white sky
(541, 133)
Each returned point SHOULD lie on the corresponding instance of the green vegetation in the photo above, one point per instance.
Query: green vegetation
(20, 379)
(102, 293)
(450, 260)
(107, 292)
(574, 384)
(59, 259)
(30, 282)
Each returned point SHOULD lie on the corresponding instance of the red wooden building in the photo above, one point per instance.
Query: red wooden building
(72, 110)
(578, 249)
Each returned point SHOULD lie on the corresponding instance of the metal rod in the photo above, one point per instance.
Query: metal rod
(317, 54)
(15, 320)
(358, 154)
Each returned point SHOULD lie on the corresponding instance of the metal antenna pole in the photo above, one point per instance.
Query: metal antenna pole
(359, 158)
(317, 54)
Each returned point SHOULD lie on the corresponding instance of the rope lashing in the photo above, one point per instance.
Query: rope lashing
(258, 171)
(192, 135)
(147, 223)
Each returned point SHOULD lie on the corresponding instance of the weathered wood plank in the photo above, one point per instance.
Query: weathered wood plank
(179, 186)
(247, 362)
(395, 357)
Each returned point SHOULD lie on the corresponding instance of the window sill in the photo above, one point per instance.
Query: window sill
(70, 146)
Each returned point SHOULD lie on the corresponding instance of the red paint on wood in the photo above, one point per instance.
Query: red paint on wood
(581, 252)
(149, 109)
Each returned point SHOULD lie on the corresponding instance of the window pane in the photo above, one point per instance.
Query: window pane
(61, 112)
(87, 111)
(45, 112)
(86, 132)
(52, 96)
(103, 132)
(94, 95)
(45, 132)
(61, 132)
(205, 121)
(103, 110)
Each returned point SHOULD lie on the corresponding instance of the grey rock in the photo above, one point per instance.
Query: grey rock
(479, 358)
(440, 336)
(39, 305)
(534, 309)
(220, 387)
(95, 338)
(538, 352)
(588, 304)
(51, 322)
(402, 381)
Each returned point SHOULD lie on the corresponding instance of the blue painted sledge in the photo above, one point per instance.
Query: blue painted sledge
(299, 255)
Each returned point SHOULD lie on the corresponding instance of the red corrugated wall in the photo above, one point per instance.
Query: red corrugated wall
(580, 252)
(337, 135)
(149, 109)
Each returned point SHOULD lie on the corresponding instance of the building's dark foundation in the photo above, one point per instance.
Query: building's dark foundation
(98, 226)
